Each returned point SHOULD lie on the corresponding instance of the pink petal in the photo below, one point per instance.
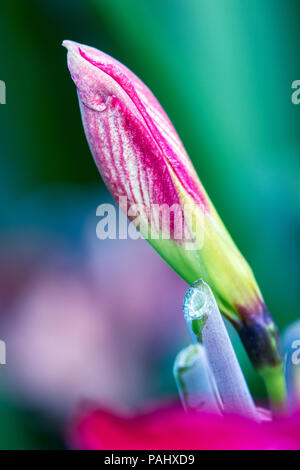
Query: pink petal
(170, 428)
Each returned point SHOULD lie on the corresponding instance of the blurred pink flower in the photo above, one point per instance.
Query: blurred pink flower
(171, 428)
(83, 328)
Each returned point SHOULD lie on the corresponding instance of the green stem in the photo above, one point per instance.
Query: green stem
(261, 340)
(276, 388)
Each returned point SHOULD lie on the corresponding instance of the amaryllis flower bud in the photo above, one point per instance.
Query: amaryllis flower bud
(141, 157)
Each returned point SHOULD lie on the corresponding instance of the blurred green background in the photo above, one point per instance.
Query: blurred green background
(222, 69)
